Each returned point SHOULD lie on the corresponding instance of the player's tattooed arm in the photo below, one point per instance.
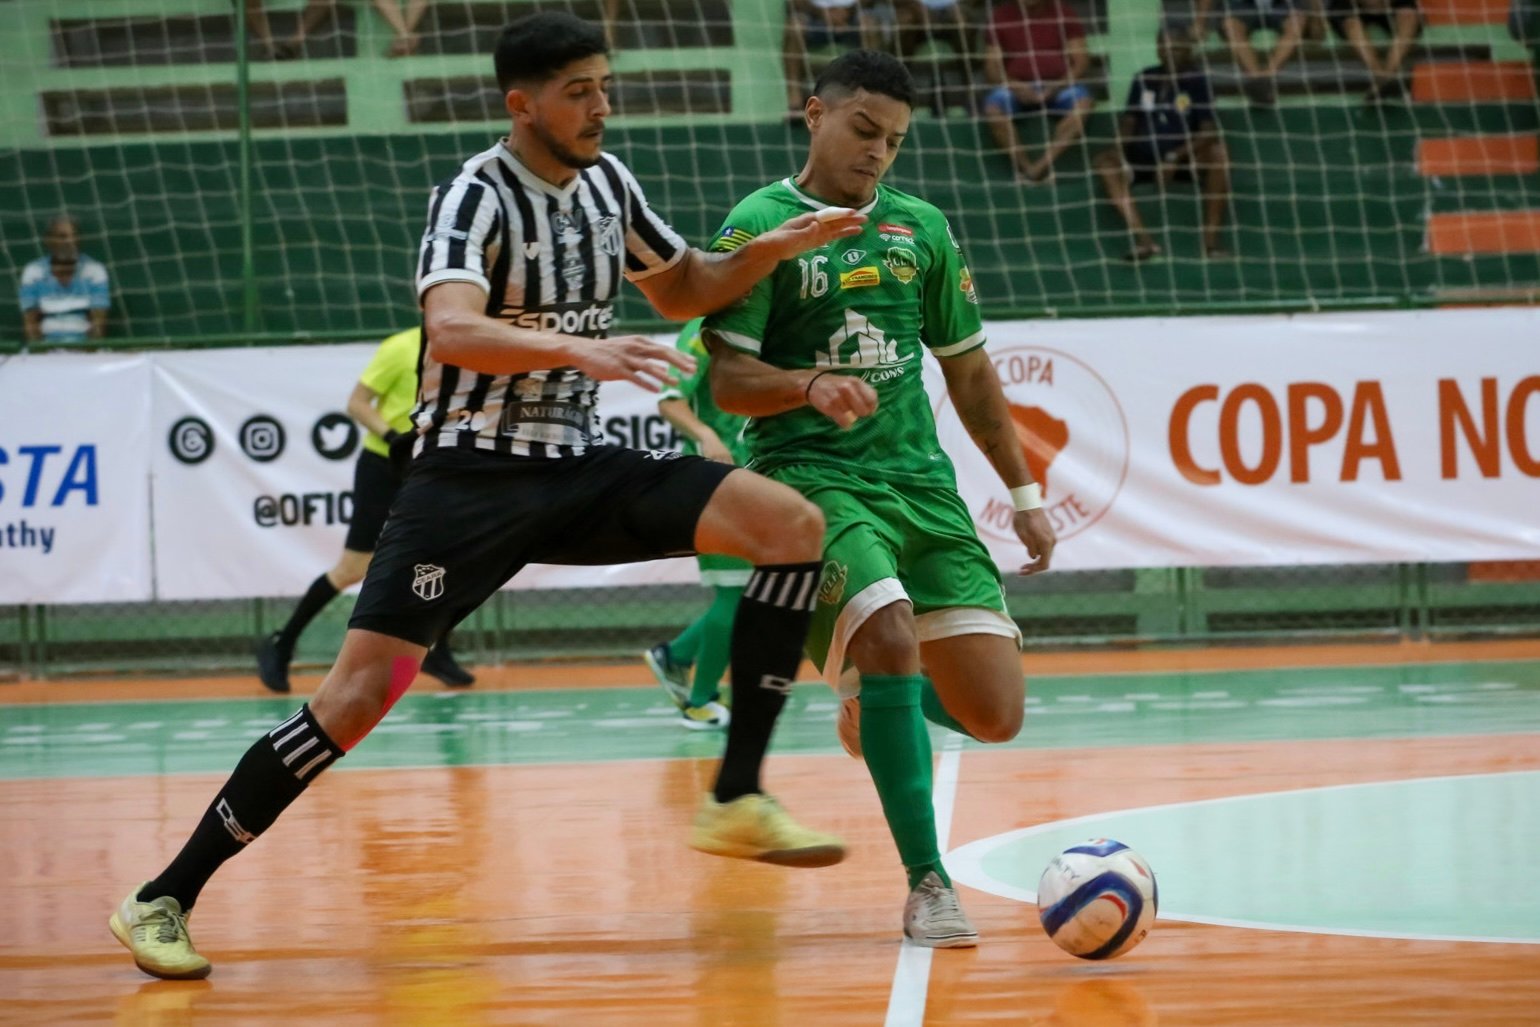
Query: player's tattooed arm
(743, 384)
(974, 387)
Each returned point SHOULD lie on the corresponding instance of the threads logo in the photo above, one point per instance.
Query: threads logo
(192, 440)
(1072, 432)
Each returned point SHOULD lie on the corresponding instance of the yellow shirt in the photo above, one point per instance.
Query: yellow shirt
(392, 376)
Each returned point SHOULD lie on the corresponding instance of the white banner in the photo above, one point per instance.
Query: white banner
(74, 496)
(1328, 438)
(1376, 437)
(253, 468)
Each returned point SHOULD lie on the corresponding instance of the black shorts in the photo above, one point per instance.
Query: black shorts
(1384, 17)
(374, 485)
(1145, 162)
(466, 521)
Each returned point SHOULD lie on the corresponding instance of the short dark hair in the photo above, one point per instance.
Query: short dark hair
(871, 70)
(537, 46)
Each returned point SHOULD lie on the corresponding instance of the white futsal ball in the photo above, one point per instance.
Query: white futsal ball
(1098, 899)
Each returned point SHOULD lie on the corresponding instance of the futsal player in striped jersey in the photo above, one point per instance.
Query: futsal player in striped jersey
(523, 255)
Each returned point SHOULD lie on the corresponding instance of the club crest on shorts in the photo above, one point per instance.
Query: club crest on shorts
(427, 581)
(831, 587)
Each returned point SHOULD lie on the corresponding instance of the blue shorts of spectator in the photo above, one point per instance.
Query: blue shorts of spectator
(1001, 100)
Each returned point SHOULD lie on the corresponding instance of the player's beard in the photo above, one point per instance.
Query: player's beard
(560, 151)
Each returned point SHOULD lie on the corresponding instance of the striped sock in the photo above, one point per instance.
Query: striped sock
(768, 632)
(275, 770)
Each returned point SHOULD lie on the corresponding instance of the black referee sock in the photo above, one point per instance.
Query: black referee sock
(320, 592)
(768, 633)
(274, 771)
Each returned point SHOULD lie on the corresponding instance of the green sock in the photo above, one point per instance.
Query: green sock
(935, 712)
(716, 644)
(896, 745)
(683, 649)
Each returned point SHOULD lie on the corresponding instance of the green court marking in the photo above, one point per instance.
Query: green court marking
(1435, 858)
(581, 725)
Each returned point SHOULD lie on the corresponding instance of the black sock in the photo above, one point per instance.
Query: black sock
(768, 633)
(320, 592)
(274, 771)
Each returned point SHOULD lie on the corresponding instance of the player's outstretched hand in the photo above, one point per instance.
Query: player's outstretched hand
(632, 358)
(812, 230)
(842, 398)
(1037, 534)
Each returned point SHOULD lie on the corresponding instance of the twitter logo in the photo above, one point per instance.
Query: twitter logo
(334, 436)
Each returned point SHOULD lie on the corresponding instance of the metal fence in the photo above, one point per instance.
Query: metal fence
(1128, 607)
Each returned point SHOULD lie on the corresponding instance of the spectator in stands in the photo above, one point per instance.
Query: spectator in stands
(946, 21)
(1035, 60)
(1239, 20)
(815, 25)
(64, 296)
(1168, 131)
(403, 22)
(1398, 19)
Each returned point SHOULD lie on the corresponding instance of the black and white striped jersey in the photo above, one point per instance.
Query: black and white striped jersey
(550, 259)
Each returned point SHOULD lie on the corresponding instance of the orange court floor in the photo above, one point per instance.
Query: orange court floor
(451, 877)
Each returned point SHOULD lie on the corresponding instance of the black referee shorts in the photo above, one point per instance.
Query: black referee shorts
(374, 485)
(466, 521)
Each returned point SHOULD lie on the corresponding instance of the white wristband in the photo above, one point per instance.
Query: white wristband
(1027, 497)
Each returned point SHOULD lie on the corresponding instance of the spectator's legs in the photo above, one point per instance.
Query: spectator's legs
(1116, 181)
(1213, 164)
(1358, 39)
(1408, 23)
(870, 29)
(910, 26)
(403, 24)
(794, 58)
(1238, 35)
(315, 12)
(1003, 130)
(1070, 128)
(1288, 42)
(258, 29)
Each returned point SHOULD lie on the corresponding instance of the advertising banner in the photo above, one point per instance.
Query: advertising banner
(1213, 441)
(74, 495)
(253, 467)
(1223, 441)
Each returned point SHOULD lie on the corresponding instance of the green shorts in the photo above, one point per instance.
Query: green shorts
(723, 571)
(885, 544)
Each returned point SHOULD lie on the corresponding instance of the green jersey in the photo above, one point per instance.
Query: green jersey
(864, 305)
(696, 393)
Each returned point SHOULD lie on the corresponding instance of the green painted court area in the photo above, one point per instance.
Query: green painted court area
(582, 725)
(1377, 859)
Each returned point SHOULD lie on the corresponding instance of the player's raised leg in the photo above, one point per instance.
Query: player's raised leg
(976, 685)
(370, 674)
(782, 535)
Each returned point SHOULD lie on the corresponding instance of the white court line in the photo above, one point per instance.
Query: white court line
(911, 979)
(966, 863)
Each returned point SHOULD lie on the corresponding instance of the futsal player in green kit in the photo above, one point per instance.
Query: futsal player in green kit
(825, 357)
(690, 667)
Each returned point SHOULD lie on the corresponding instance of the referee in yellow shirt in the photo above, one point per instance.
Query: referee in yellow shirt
(382, 402)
